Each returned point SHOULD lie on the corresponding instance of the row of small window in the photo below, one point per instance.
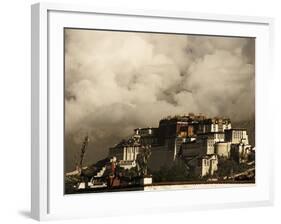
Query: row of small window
(238, 134)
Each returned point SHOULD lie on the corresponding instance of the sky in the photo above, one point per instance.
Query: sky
(118, 81)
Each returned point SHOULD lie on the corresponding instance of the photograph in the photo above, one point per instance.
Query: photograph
(147, 111)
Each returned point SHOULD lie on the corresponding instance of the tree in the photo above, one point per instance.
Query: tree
(226, 167)
(177, 172)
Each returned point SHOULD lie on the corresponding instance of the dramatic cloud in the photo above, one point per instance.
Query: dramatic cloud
(117, 81)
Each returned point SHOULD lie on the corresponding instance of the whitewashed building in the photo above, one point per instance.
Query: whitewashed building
(126, 152)
(236, 136)
(214, 125)
(223, 149)
(206, 165)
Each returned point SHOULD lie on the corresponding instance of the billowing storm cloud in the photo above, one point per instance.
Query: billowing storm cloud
(118, 81)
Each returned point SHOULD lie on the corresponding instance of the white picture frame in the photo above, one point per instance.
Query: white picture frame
(47, 198)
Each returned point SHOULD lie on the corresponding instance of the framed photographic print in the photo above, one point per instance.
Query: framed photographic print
(164, 111)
